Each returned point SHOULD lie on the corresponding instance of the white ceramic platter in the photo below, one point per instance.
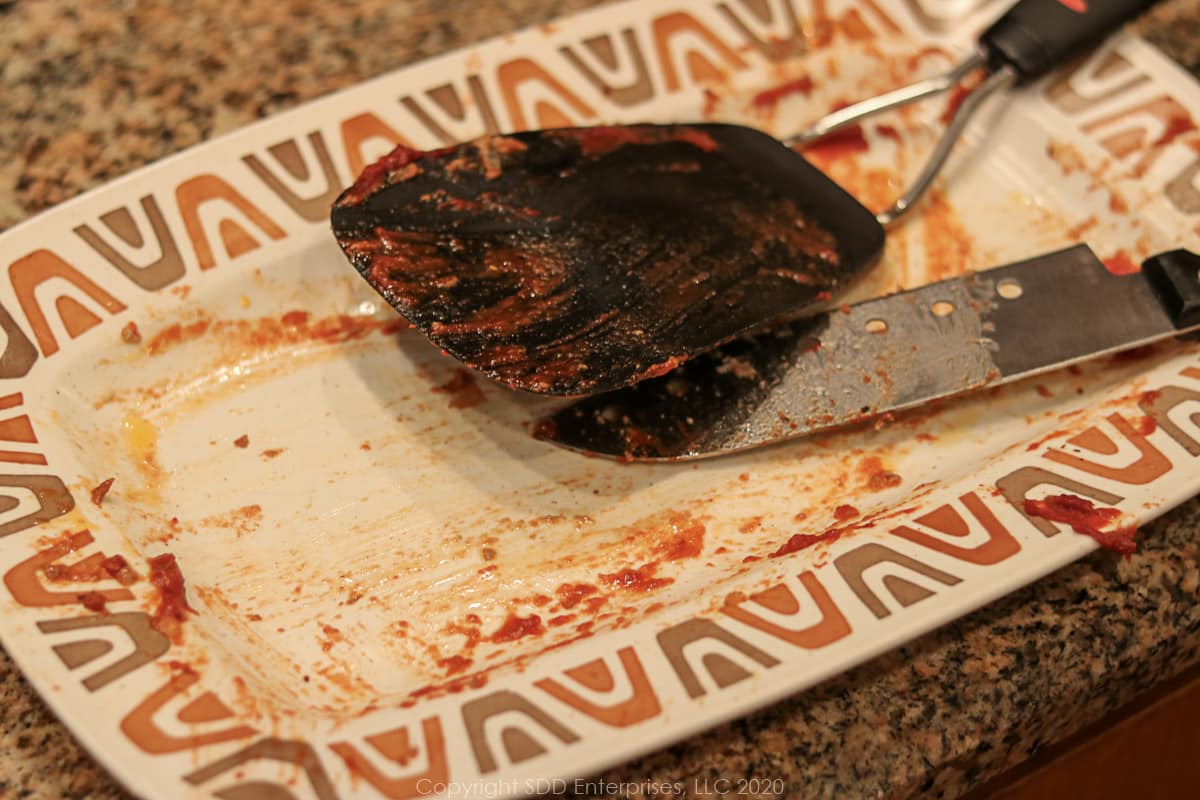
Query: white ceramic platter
(396, 590)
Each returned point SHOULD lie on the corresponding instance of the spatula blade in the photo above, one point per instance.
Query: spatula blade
(582, 260)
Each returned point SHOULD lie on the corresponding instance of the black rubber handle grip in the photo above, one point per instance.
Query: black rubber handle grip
(1035, 36)
(1175, 276)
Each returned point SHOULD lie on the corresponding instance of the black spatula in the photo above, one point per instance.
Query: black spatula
(577, 261)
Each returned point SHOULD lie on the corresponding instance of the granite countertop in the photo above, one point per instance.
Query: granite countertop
(89, 92)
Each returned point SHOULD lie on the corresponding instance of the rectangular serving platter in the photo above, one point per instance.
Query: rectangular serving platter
(397, 591)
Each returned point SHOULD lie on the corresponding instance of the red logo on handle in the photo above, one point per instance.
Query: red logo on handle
(1078, 6)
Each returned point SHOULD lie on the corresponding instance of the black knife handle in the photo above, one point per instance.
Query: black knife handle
(1175, 277)
(1035, 36)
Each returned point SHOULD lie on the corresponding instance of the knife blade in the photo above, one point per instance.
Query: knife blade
(887, 355)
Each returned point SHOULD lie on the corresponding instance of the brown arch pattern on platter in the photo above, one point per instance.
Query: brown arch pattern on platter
(1066, 95)
(194, 192)
(140, 728)
(1181, 189)
(1149, 466)
(148, 643)
(53, 497)
(286, 751)
(949, 520)
(287, 154)
(642, 703)
(19, 352)
(853, 564)
(1135, 137)
(394, 745)
(702, 69)
(724, 671)
(17, 428)
(782, 598)
(29, 272)
(161, 272)
(773, 48)
(1159, 404)
(26, 588)
(518, 745)
(604, 50)
(511, 75)
(851, 24)
(447, 100)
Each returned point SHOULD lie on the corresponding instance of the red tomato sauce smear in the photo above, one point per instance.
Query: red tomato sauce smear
(1086, 518)
(172, 601)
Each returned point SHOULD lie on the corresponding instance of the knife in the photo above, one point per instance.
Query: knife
(882, 356)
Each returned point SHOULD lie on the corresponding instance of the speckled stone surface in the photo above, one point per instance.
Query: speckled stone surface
(91, 91)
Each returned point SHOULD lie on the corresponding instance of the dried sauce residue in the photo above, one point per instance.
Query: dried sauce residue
(601, 139)
(515, 627)
(333, 636)
(845, 512)
(570, 594)
(800, 541)
(748, 526)
(949, 248)
(130, 334)
(295, 319)
(685, 538)
(1077, 233)
(242, 520)
(242, 441)
(637, 579)
(1086, 518)
(93, 601)
(89, 570)
(292, 327)
(374, 175)
(176, 334)
(463, 391)
(1176, 126)
(1034, 445)
(960, 93)
(769, 98)
(468, 629)
(99, 492)
(639, 443)
(172, 607)
(119, 570)
(889, 132)
(1119, 263)
(876, 477)
(1068, 158)
(838, 144)
(454, 664)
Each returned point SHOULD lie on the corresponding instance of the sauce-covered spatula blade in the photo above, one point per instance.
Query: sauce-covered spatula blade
(578, 261)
